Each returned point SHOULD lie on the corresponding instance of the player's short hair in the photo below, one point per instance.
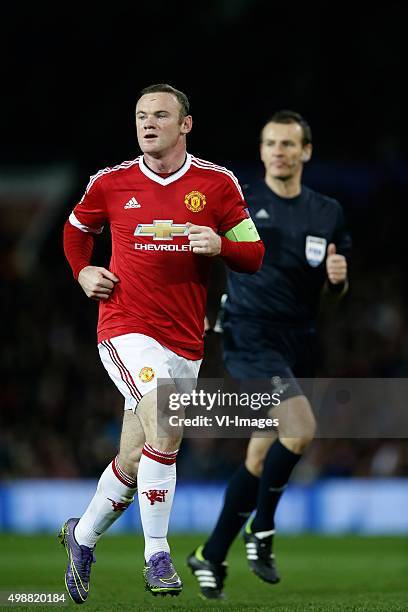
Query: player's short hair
(288, 116)
(165, 88)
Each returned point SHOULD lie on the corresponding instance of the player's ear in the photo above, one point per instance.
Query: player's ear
(261, 155)
(186, 124)
(306, 153)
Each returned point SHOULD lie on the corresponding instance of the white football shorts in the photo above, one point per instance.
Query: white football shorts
(136, 363)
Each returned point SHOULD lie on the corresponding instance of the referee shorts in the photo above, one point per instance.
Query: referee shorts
(137, 364)
(264, 352)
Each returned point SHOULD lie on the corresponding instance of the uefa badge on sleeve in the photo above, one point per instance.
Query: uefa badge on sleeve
(315, 250)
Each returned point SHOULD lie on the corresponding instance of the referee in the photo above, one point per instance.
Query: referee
(269, 332)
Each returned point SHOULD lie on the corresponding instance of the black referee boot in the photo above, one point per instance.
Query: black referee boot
(261, 559)
(210, 576)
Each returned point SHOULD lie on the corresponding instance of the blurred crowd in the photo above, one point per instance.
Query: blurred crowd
(61, 415)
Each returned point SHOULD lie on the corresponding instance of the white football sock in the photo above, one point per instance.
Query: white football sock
(156, 483)
(113, 495)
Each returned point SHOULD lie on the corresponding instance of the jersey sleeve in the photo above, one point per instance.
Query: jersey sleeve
(89, 215)
(84, 222)
(233, 206)
(78, 248)
(242, 256)
(241, 249)
(341, 237)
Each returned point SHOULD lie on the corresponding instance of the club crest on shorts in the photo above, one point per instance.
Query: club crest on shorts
(315, 250)
(195, 201)
(146, 374)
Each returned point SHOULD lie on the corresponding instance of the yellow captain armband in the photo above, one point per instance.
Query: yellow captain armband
(245, 231)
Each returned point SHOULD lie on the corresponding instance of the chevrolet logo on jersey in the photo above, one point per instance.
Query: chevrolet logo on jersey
(161, 229)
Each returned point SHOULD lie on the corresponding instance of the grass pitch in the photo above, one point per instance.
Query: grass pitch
(318, 574)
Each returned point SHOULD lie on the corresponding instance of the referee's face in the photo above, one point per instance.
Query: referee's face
(282, 150)
(159, 126)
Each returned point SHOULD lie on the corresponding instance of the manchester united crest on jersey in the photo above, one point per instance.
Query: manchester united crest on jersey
(195, 201)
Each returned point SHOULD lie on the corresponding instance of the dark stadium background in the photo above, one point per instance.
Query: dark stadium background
(69, 82)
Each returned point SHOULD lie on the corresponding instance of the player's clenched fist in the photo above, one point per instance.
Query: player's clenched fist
(336, 265)
(204, 240)
(98, 283)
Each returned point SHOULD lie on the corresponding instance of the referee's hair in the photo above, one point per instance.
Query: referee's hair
(288, 116)
(165, 88)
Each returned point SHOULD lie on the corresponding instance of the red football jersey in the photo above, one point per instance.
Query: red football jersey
(163, 285)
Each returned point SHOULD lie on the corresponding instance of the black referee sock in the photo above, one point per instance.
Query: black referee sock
(239, 502)
(278, 466)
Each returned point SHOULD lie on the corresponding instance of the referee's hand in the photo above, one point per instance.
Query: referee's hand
(336, 265)
(98, 283)
(203, 240)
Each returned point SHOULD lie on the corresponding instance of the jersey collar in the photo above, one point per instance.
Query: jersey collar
(169, 179)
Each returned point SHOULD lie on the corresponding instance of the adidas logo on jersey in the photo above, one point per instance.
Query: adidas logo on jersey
(133, 203)
(262, 214)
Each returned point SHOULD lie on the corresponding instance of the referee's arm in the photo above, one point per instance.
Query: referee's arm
(337, 260)
(336, 269)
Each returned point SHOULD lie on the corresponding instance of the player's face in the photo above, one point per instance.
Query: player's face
(158, 123)
(282, 150)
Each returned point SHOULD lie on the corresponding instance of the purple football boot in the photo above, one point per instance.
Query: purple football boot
(80, 559)
(160, 575)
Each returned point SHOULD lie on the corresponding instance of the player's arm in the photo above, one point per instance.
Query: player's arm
(97, 282)
(85, 221)
(237, 240)
(241, 248)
